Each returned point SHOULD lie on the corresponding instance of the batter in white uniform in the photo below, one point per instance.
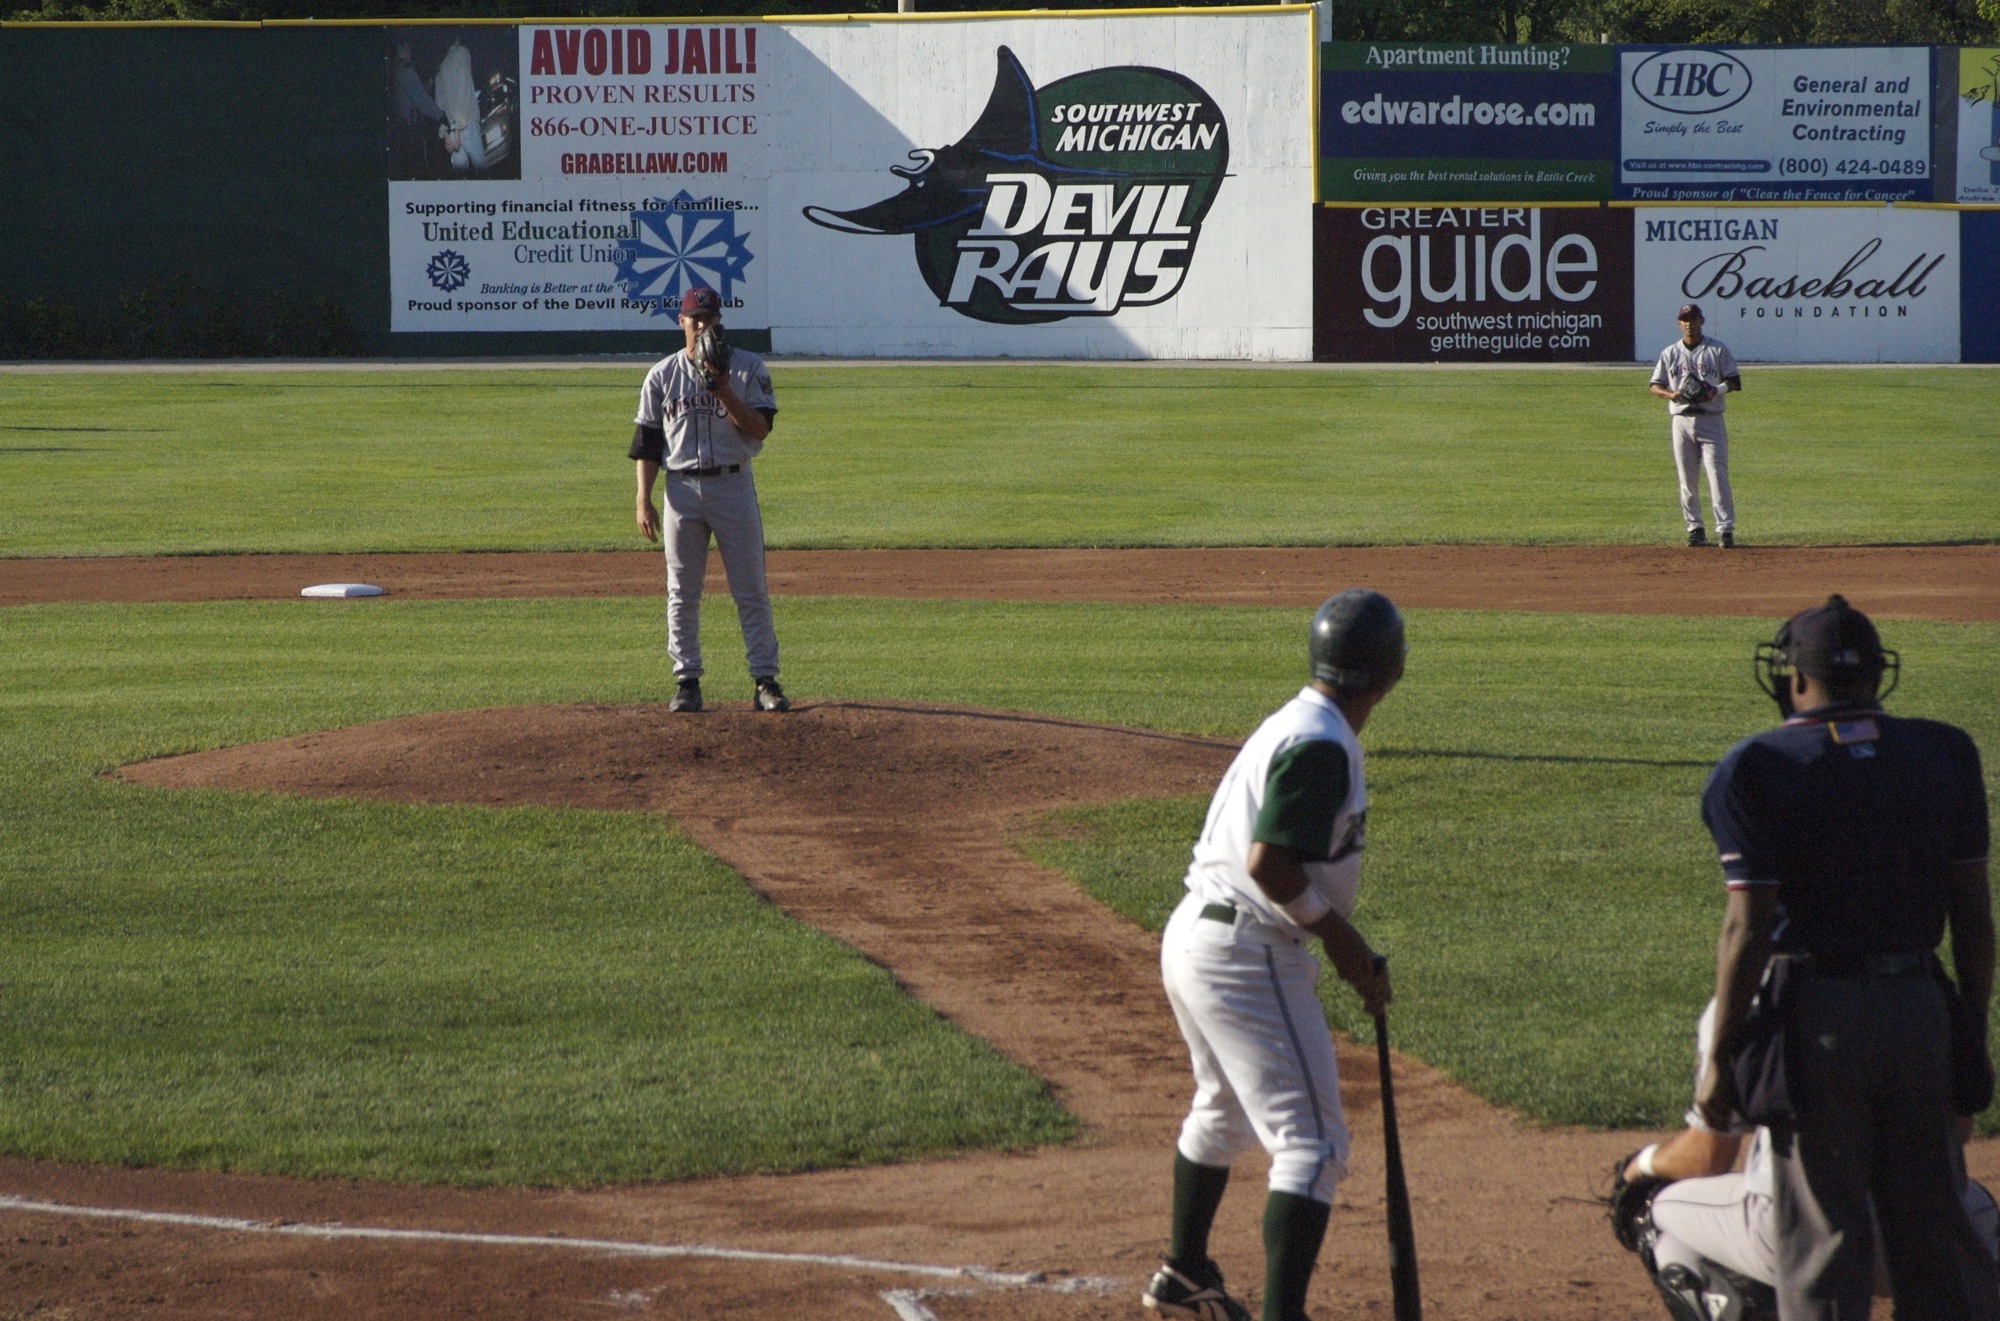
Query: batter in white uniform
(1701, 441)
(704, 433)
(1277, 865)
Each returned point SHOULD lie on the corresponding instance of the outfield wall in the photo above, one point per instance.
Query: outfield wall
(1122, 184)
(1560, 203)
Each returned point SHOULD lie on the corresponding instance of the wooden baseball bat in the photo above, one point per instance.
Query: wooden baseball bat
(1402, 1234)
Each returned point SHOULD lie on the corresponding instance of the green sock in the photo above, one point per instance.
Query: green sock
(1294, 1227)
(1198, 1192)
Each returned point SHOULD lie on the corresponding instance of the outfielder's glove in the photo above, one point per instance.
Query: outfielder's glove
(1693, 390)
(710, 354)
(1631, 1204)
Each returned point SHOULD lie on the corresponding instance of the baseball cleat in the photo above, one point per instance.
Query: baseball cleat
(687, 697)
(1728, 540)
(1696, 537)
(1195, 1293)
(770, 697)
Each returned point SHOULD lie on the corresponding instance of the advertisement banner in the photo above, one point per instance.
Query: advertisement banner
(1472, 284)
(1092, 187)
(1978, 82)
(1405, 122)
(1839, 284)
(574, 178)
(1721, 124)
(1098, 187)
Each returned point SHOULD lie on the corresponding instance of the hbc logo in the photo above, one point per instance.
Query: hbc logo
(1010, 229)
(1691, 82)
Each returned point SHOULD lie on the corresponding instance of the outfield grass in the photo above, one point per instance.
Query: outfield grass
(1537, 867)
(985, 455)
(531, 995)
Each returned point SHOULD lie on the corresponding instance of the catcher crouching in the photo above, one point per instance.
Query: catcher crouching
(1706, 1231)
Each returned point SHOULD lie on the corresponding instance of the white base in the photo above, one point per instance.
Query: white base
(343, 590)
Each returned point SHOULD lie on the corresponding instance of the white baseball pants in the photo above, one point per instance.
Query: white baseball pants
(1264, 1067)
(1701, 444)
(1719, 1218)
(725, 507)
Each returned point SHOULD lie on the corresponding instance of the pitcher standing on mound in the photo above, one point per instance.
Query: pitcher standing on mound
(704, 412)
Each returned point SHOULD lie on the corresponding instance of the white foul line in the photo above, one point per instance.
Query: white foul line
(908, 1305)
(618, 1247)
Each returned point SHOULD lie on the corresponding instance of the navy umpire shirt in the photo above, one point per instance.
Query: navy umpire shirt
(1857, 817)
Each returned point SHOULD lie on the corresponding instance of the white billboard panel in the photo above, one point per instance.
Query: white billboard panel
(1837, 284)
(1079, 187)
(1978, 82)
(609, 169)
(1114, 187)
(1712, 123)
(561, 254)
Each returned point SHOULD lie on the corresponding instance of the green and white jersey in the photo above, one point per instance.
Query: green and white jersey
(1297, 783)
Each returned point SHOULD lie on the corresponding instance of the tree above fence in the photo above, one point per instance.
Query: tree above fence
(1788, 22)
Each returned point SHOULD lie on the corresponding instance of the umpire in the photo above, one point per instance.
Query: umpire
(1848, 840)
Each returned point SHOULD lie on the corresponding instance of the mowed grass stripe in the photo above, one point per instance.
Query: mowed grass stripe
(539, 996)
(444, 994)
(985, 456)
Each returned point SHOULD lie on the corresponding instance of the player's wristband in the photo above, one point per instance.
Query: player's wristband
(1308, 907)
(1644, 1160)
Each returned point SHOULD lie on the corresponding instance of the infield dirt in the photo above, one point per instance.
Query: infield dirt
(887, 825)
(1914, 582)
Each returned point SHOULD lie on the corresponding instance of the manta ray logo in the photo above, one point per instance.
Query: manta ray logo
(1075, 199)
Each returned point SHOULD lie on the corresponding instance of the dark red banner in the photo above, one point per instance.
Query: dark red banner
(1472, 284)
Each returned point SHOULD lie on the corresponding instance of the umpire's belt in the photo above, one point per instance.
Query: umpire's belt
(722, 471)
(1876, 963)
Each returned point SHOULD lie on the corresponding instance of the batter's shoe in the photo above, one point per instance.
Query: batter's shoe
(1696, 537)
(1192, 1292)
(1729, 541)
(687, 697)
(770, 697)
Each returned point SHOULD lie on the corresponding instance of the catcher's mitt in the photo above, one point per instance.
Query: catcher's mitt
(1693, 390)
(1631, 1205)
(710, 354)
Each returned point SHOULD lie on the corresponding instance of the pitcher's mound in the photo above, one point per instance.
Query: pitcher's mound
(888, 825)
(897, 764)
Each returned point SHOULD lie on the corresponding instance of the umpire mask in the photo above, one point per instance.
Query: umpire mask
(1835, 644)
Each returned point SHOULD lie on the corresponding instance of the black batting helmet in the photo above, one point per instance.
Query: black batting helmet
(1834, 643)
(1356, 643)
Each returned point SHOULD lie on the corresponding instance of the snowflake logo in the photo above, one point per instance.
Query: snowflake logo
(448, 271)
(677, 246)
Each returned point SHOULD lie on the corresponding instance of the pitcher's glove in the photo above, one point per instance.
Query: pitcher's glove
(1693, 390)
(1631, 1204)
(710, 354)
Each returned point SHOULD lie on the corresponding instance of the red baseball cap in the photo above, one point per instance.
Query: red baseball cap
(701, 301)
(1688, 312)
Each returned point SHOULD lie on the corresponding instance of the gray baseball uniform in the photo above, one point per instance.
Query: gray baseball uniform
(709, 491)
(1701, 441)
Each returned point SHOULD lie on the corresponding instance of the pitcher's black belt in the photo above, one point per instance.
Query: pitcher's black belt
(1877, 963)
(1220, 913)
(722, 471)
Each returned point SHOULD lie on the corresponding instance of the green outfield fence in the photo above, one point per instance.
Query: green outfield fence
(206, 191)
